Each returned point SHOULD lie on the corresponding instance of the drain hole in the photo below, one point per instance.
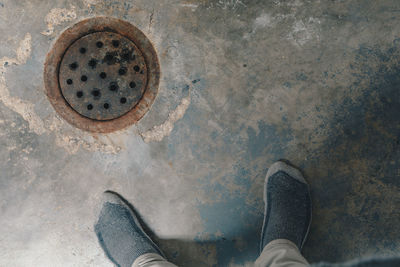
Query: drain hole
(90, 107)
(103, 75)
(109, 57)
(83, 78)
(122, 71)
(115, 43)
(69, 81)
(82, 50)
(73, 66)
(136, 68)
(113, 86)
(92, 63)
(96, 93)
(99, 44)
(106, 105)
(79, 94)
(132, 84)
(122, 100)
(126, 56)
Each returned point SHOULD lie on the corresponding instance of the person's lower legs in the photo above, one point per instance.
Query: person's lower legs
(287, 217)
(122, 238)
(281, 253)
(152, 260)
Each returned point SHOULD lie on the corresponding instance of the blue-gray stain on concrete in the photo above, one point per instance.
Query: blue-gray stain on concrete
(359, 162)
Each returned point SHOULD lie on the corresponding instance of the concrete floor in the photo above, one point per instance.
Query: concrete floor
(244, 83)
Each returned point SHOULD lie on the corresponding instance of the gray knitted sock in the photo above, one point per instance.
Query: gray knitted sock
(287, 205)
(119, 232)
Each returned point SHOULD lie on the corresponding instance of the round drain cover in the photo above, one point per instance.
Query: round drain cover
(102, 74)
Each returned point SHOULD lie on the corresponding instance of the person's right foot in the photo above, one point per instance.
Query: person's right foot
(287, 205)
(119, 232)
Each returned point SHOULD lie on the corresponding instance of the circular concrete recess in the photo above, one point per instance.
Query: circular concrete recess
(102, 74)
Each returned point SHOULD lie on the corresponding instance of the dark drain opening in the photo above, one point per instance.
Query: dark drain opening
(102, 74)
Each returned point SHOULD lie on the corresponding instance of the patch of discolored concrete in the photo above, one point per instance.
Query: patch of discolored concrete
(355, 173)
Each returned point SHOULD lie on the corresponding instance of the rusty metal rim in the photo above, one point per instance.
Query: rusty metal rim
(69, 36)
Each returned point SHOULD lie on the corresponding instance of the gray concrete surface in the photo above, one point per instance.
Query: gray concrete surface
(244, 83)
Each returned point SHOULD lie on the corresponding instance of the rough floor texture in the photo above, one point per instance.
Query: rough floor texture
(244, 83)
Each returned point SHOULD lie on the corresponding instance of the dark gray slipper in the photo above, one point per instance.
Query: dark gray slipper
(120, 233)
(287, 205)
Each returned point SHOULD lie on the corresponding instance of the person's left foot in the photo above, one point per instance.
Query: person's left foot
(119, 232)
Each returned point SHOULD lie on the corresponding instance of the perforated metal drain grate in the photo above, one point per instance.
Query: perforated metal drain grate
(102, 74)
